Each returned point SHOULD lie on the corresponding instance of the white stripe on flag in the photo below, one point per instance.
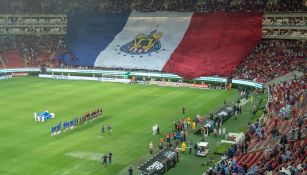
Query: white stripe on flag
(173, 25)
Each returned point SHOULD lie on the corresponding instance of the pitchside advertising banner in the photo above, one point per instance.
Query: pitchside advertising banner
(134, 73)
(175, 84)
(5, 77)
(20, 70)
(64, 77)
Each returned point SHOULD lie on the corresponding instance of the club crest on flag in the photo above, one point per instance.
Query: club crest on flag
(143, 44)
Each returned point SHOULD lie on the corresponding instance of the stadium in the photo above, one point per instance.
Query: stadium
(153, 87)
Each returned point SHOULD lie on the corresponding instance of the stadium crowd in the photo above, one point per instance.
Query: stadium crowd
(147, 5)
(268, 6)
(278, 144)
(36, 50)
(285, 6)
(65, 6)
(230, 6)
(115, 6)
(271, 59)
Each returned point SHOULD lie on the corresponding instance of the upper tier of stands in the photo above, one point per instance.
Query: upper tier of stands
(114, 6)
(20, 51)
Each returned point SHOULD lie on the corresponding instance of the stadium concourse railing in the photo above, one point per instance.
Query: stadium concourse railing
(125, 74)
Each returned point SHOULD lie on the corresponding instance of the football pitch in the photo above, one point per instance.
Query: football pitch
(27, 147)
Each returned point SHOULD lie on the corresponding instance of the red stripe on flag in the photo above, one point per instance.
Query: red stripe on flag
(215, 44)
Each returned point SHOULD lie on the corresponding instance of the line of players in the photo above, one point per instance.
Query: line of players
(90, 115)
(76, 121)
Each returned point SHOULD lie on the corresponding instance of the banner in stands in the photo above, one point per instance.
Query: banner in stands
(159, 164)
(189, 45)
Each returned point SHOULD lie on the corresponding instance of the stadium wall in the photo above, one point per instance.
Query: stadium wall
(130, 73)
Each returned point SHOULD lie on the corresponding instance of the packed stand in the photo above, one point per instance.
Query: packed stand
(277, 6)
(277, 145)
(65, 6)
(115, 6)
(36, 50)
(271, 59)
(268, 6)
(33, 6)
(247, 5)
(147, 5)
(179, 5)
(206, 6)
(96, 6)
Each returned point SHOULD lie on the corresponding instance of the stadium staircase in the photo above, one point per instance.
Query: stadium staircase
(2, 63)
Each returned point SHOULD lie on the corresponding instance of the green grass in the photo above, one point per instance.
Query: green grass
(27, 148)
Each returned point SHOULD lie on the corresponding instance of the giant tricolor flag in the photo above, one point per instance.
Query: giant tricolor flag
(187, 44)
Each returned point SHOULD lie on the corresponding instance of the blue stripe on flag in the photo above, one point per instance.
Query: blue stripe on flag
(88, 35)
